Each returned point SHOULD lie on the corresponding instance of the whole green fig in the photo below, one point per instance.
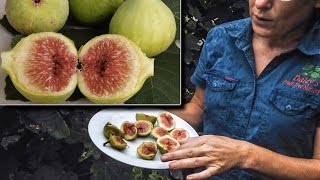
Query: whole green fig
(34, 16)
(92, 12)
(148, 23)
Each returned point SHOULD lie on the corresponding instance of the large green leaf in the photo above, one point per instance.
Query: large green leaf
(162, 88)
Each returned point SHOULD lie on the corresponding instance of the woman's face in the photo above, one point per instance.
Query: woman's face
(272, 18)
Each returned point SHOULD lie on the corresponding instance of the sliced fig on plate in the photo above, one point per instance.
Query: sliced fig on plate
(43, 67)
(114, 130)
(130, 130)
(179, 134)
(144, 127)
(158, 132)
(116, 142)
(142, 116)
(167, 143)
(113, 69)
(166, 121)
(147, 150)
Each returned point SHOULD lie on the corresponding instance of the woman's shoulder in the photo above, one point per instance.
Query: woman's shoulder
(233, 28)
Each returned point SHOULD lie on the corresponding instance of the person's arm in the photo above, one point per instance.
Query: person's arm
(193, 110)
(283, 167)
(219, 154)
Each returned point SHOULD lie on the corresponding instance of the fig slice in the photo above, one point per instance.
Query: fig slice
(116, 142)
(158, 132)
(112, 130)
(144, 127)
(179, 134)
(166, 121)
(130, 130)
(113, 69)
(147, 150)
(43, 67)
(142, 116)
(167, 143)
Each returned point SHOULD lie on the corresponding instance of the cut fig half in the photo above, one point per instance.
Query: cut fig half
(113, 69)
(179, 134)
(167, 143)
(166, 121)
(144, 127)
(43, 67)
(142, 116)
(116, 142)
(130, 130)
(158, 132)
(147, 150)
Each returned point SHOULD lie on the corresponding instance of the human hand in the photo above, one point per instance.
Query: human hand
(217, 153)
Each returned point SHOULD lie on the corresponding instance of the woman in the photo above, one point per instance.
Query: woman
(258, 96)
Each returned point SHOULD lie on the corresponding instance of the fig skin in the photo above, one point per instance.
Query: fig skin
(164, 148)
(12, 64)
(146, 132)
(129, 137)
(106, 131)
(114, 130)
(28, 17)
(148, 23)
(114, 142)
(144, 68)
(147, 156)
(142, 116)
(93, 12)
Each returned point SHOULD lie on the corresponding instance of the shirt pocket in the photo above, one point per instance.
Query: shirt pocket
(294, 105)
(218, 95)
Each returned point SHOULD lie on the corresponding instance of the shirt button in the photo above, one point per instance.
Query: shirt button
(288, 107)
(214, 84)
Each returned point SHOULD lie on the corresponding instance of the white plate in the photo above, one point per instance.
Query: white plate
(129, 155)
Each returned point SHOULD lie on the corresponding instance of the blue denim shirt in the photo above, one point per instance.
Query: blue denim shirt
(278, 110)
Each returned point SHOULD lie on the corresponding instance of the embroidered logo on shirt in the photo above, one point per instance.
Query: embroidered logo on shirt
(308, 80)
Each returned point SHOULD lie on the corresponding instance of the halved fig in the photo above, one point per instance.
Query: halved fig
(142, 116)
(167, 143)
(158, 132)
(113, 69)
(166, 121)
(179, 134)
(147, 150)
(43, 67)
(114, 130)
(130, 130)
(144, 127)
(116, 142)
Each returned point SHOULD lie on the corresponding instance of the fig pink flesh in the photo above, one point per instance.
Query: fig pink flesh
(168, 143)
(128, 129)
(142, 127)
(166, 119)
(50, 66)
(161, 132)
(106, 67)
(149, 149)
(179, 134)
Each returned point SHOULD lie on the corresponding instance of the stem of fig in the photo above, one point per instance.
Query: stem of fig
(104, 144)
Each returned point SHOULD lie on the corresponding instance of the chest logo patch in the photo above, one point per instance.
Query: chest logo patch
(308, 80)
